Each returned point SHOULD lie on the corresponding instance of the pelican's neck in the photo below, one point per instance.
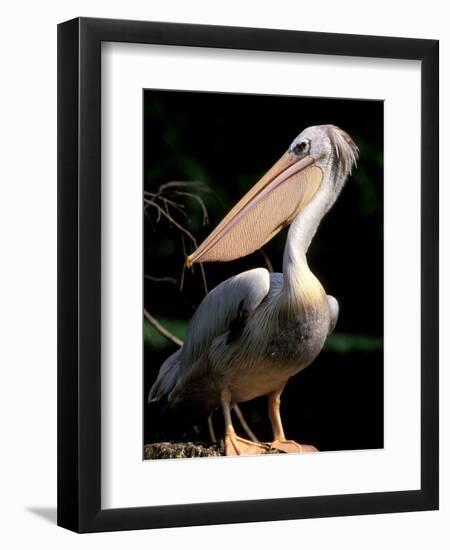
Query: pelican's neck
(301, 287)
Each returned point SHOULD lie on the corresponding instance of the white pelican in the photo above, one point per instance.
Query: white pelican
(255, 330)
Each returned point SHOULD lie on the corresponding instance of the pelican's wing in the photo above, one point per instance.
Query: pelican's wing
(234, 298)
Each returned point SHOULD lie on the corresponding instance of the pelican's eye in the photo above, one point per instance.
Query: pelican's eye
(301, 148)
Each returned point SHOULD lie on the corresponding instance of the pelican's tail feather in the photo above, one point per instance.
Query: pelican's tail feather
(167, 378)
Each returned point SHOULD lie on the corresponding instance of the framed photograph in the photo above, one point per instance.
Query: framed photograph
(248, 275)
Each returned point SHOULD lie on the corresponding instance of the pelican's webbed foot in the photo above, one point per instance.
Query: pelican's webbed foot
(238, 446)
(290, 446)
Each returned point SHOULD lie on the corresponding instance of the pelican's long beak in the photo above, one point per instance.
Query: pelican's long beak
(270, 204)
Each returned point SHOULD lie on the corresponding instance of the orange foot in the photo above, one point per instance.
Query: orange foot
(289, 446)
(238, 446)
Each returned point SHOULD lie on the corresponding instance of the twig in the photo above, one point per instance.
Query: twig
(157, 195)
(205, 220)
(172, 220)
(244, 424)
(175, 205)
(172, 184)
(153, 197)
(158, 208)
(183, 269)
(202, 271)
(266, 259)
(162, 330)
(161, 279)
(212, 433)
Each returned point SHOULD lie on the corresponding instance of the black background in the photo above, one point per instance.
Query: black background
(227, 141)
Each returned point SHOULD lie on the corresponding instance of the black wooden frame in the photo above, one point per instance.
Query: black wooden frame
(79, 281)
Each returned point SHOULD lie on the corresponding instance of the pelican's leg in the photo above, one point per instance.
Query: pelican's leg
(235, 445)
(279, 439)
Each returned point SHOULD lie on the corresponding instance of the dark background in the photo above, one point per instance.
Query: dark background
(226, 142)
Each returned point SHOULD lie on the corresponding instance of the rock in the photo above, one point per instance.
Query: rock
(181, 450)
(168, 449)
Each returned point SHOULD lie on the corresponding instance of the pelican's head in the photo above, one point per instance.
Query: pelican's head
(330, 148)
(319, 157)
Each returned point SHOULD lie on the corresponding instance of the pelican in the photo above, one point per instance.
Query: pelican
(255, 330)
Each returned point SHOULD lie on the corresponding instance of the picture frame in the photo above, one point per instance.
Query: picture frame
(79, 275)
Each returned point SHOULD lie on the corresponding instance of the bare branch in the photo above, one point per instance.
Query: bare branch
(205, 220)
(179, 207)
(212, 434)
(244, 424)
(148, 203)
(172, 220)
(172, 184)
(266, 259)
(183, 269)
(161, 279)
(162, 330)
(202, 271)
(152, 197)
(151, 200)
